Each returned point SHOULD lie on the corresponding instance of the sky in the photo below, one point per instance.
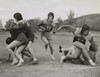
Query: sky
(40, 8)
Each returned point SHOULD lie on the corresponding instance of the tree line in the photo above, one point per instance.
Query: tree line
(71, 20)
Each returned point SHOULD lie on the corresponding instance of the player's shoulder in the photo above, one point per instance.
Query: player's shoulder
(90, 34)
(22, 22)
(44, 21)
(78, 30)
(55, 21)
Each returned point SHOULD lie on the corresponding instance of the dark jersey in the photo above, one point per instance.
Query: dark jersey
(80, 39)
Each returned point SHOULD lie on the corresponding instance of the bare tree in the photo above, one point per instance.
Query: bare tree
(1, 25)
(71, 19)
(70, 15)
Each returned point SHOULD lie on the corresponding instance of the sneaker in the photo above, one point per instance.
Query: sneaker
(20, 63)
(35, 61)
(60, 49)
(15, 61)
(53, 58)
(92, 63)
(31, 59)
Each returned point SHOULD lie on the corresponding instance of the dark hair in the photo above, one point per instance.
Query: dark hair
(18, 16)
(80, 39)
(51, 14)
(9, 40)
(84, 28)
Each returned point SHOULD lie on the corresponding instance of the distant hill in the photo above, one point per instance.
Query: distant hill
(93, 20)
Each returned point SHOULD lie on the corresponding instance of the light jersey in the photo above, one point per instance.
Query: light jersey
(49, 24)
(22, 21)
(78, 31)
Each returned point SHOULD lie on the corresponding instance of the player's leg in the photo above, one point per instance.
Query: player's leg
(51, 49)
(33, 55)
(84, 51)
(63, 50)
(26, 53)
(70, 53)
(18, 54)
(75, 53)
(13, 45)
(45, 42)
(9, 56)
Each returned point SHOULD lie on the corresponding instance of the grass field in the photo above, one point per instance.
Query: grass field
(47, 67)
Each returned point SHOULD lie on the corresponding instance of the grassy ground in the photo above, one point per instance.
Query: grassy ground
(47, 67)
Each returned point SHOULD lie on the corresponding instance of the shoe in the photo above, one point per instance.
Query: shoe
(15, 61)
(20, 63)
(53, 58)
(35, 61)
(60, 49)
(92, 63)
(31, 59)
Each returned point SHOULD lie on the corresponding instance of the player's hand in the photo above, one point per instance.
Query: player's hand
(40, 29)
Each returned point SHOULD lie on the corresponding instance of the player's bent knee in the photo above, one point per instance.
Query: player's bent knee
(8, 47)
(79, 45)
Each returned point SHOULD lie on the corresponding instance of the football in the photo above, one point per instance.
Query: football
(41, 28)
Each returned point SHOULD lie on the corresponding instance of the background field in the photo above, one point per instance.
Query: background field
(47, 67)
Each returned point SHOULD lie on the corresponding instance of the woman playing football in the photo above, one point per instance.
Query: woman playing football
(45, 28)
(81, 34)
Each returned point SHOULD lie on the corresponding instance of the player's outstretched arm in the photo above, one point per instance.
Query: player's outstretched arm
(69, 27)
